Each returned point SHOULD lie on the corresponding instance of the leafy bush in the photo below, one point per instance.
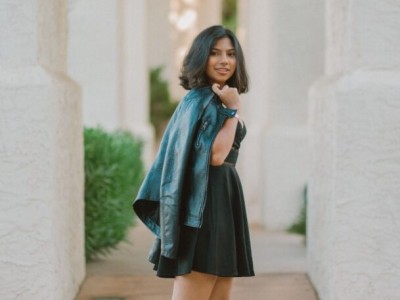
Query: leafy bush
(161, 106)
(300, 227)
(113, 173)
(229, 14)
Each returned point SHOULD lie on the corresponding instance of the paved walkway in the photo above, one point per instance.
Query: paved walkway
(279, 261)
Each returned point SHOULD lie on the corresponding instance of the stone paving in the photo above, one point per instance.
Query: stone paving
(279, 261)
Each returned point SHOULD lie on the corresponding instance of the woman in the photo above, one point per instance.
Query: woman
(192, 198)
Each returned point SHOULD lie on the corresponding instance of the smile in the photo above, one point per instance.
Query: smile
(222, 71)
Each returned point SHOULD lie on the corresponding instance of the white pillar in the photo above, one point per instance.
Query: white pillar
(158, 34)
(41, 155)
(250, 160)
(107, 56)
(94, 58)
(354, 210)
(135, 112)
(210, 13)
(284, 50)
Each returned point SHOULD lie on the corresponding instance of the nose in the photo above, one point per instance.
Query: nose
(224, 58)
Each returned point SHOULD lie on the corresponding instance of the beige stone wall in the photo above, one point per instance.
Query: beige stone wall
(41, 157)
(284, 43)
(354, 210)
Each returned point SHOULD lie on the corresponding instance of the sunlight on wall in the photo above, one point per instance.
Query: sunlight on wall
(186, 19)
(183, 17)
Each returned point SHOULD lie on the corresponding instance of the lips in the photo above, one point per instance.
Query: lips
(222, 71)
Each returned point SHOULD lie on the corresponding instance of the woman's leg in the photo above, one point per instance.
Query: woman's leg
(222, 289)
(193, 286)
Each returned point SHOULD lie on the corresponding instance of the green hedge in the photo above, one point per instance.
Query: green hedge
(229, 14)
(161, 105)
(113, 173)
(300, 227)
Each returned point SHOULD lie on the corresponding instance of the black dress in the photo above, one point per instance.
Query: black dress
(222, 245)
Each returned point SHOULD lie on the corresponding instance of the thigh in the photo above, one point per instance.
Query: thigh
(193, 286)
(222, 289)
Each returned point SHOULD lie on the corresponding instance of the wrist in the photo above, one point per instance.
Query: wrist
(234, 106)
(231, 106)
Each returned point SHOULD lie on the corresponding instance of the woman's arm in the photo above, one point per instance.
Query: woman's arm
(224, 140)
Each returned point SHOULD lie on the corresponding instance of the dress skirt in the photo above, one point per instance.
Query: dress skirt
(222, 245)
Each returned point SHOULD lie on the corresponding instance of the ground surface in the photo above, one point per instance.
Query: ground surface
(279, 260)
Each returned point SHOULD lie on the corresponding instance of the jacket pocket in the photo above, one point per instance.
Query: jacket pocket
(202, 128)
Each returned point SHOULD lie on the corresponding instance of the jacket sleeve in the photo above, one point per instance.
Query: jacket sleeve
(180, 139)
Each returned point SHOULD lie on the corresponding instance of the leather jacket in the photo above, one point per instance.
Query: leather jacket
(174, 190)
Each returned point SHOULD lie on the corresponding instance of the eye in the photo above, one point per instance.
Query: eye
(232, 54)
(213, 53)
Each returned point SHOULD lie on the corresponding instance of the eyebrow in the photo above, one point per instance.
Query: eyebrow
(218, 49)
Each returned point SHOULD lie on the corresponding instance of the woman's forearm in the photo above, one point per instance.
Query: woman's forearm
(223, 142)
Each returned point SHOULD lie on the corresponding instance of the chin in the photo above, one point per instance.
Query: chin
(220, 81)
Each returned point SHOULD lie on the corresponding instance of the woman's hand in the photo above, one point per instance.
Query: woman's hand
(223, 142)
(228, 95)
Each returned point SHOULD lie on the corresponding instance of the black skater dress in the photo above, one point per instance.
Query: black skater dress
(222, 245)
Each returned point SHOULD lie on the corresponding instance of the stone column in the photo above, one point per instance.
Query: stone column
(135, 112)
(158, 31)
(354, 212)
(283, 42)
(107, 55)
(210, 13)
(41, 155)
(94, 58)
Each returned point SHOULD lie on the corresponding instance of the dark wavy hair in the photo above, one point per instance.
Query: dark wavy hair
(193, 71)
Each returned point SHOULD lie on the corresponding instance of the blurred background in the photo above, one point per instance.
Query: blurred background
(87, 87)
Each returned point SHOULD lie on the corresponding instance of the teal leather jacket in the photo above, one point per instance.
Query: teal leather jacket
(174, 190)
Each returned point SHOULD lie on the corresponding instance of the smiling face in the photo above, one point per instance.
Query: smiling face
(221, 63)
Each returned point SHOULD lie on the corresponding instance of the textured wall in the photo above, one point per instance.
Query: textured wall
(41, 160)
(284, 46)
(94, 54)
(354, 212)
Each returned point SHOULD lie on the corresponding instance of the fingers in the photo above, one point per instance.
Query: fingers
(216, 87)
(228, 95)
(225, 87)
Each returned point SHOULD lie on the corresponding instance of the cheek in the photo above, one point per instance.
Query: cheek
(233, 65)
(211, 61)
(211, 64)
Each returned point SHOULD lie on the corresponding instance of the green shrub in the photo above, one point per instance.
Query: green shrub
(161, 106)
(229, 14)
(300, 227)
(113, 173)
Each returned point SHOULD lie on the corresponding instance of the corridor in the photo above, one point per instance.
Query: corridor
(279, 260)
